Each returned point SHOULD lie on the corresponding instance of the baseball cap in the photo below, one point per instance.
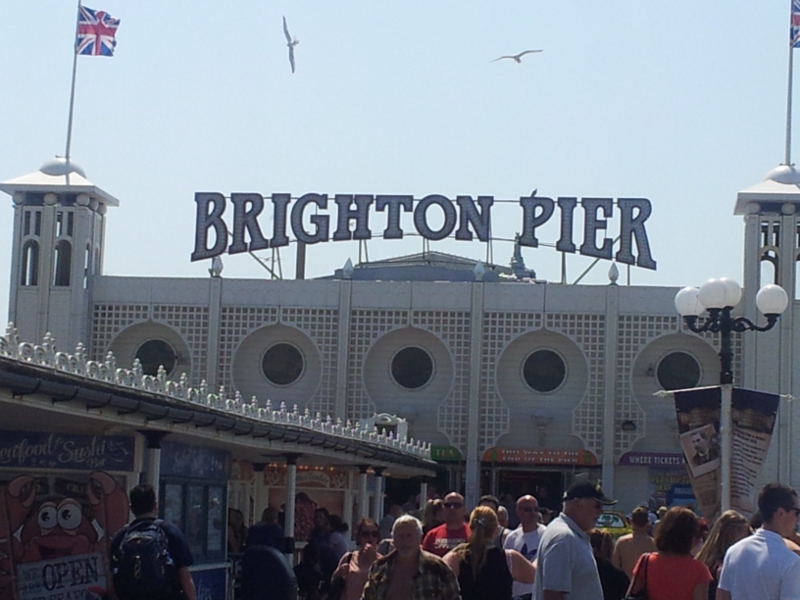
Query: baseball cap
(587, 489)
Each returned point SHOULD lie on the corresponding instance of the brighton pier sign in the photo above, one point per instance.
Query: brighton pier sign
(470, 219)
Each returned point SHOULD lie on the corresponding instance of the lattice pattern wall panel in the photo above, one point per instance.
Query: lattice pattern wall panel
(236, 323)
(192, 324)
(366, 326)
(588, 332)
(634, 332)
(453, 328)
(499, 330)
(322, 327)
(108, 320)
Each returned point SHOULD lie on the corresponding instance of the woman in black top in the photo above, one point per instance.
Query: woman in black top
(484, 571)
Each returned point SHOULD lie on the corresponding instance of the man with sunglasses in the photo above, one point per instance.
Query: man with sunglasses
(761, 567)
(566, 565)
(525, 539)
(454, 531)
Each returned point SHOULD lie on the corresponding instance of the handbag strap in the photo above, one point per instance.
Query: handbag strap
(643, 571)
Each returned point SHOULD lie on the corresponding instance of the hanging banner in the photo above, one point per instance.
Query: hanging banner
(698, 413)
(754, 415)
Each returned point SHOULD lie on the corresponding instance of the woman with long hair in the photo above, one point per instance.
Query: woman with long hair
(672, 573)
(614, 581)
(354, 566)
(729, 529)
(484, 571)
(432, 516)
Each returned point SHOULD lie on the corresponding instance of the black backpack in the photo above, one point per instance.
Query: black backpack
(141, 566)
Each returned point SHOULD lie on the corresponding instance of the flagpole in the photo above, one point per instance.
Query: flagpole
(72, 89)
(788, 156)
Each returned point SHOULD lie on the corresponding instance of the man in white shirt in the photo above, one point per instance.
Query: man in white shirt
(761, 567)
(525, 540)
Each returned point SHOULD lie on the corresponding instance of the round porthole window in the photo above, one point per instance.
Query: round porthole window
(677, 371)
(544, 370)
(282, 364)
(412, 367)
(155, 353)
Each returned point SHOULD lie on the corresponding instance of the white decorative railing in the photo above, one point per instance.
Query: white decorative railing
(46, 355)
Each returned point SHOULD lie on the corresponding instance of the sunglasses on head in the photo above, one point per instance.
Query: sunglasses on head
(370, 534)
(453, 505)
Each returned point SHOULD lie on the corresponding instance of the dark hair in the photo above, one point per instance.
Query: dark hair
(489, 499)
(143, 499)
(602, 543)
(773, 497)
(640, 516)
(337, 524)
(677, 531)
(365, 522)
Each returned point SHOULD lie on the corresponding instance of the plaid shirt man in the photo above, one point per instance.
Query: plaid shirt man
(433, 579)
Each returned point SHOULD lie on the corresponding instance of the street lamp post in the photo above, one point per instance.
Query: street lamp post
(719, 297)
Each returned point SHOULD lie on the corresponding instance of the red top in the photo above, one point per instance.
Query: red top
(672, 577)
(440, 540)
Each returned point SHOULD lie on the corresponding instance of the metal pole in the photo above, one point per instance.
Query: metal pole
(72, 89)
(726, 418)
(726, 445)
(788, 155)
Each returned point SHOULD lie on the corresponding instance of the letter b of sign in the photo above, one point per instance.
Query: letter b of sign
(208, 219)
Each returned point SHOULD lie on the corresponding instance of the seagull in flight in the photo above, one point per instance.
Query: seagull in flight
(291, 42)
(517, 57)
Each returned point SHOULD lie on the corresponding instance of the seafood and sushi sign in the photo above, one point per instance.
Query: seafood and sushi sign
(435, 217)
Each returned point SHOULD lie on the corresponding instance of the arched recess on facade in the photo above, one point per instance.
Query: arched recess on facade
(29, 272)
(62, 263)
(542, 376)
(279, 363)
(154, 344)
(409, 372)
(673, 361)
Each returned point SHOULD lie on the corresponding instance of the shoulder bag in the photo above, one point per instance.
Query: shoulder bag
(639, 592)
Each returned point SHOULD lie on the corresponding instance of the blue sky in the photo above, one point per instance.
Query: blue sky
(681, 102)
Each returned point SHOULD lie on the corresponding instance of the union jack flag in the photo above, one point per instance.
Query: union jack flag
(96, 31)
(794, 29)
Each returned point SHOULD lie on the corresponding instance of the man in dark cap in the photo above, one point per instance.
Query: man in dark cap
(566, 565)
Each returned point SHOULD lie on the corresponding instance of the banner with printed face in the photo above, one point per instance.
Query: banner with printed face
(698, 412)
(754, 415)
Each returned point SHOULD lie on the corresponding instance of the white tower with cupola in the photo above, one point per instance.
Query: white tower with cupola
(58, 236)
(771, 253)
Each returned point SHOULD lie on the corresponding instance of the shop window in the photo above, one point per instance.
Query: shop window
(30, 263)
(544, 370)
(412, 368)
(155, 353)
(677, 371)
(63, 261)
(198, 509)
(282, 364)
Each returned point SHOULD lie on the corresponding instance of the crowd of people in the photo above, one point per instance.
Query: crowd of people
(441, 551)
